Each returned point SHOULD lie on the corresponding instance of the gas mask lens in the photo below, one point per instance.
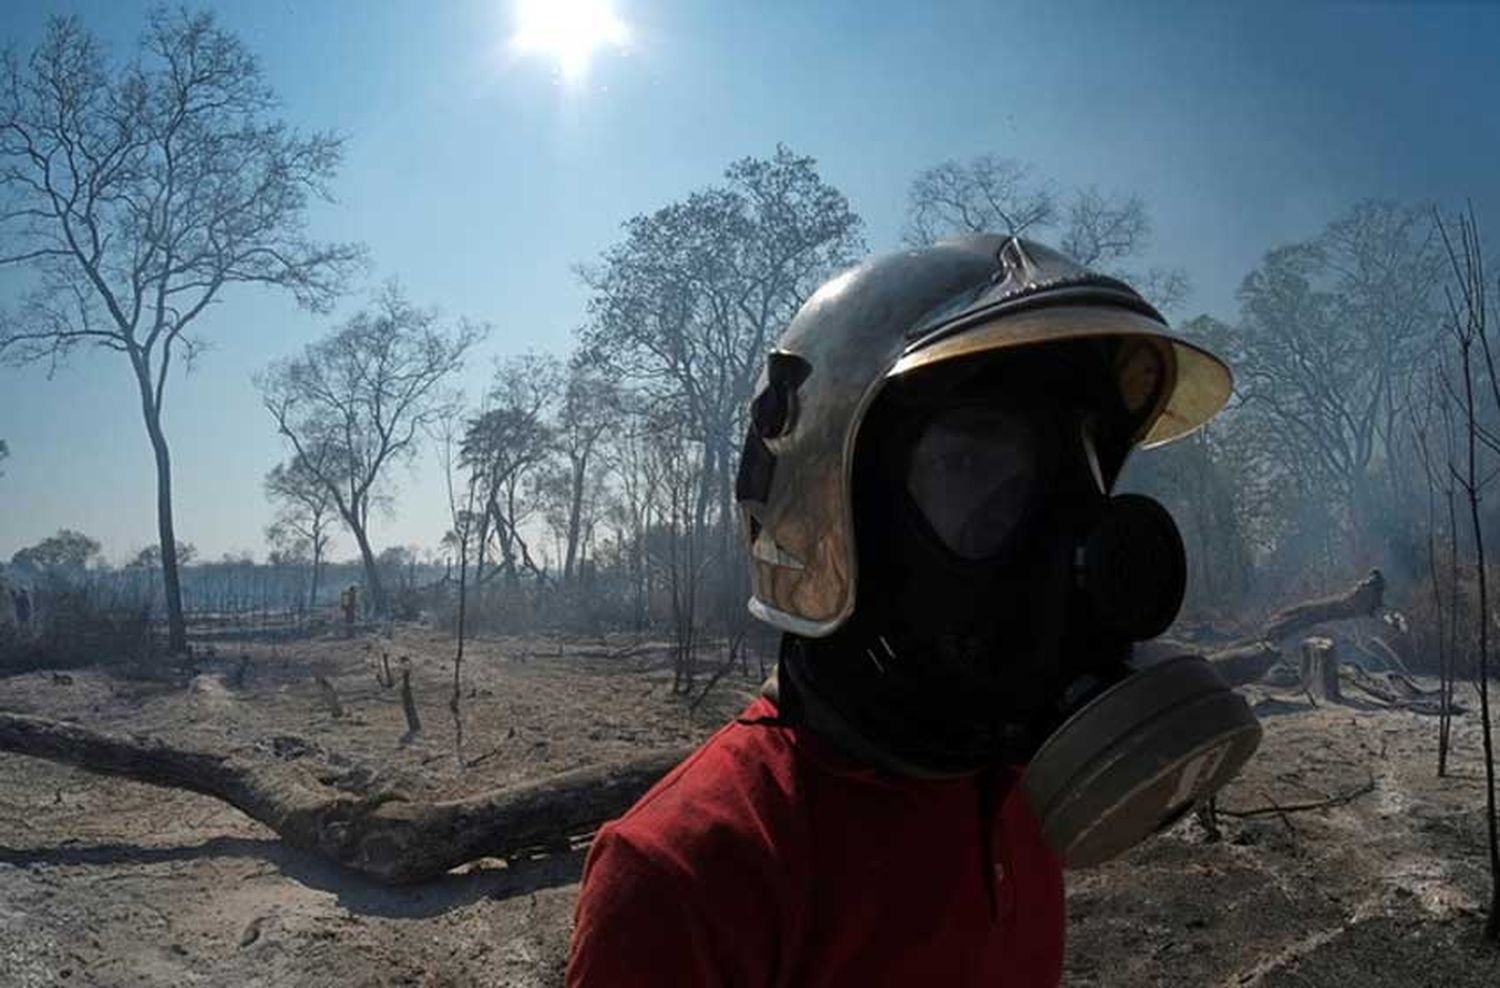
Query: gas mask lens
(973, 470)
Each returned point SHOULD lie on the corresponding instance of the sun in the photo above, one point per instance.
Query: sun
(568, 31)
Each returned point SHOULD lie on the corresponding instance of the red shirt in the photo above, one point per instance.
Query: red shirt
(769, 859)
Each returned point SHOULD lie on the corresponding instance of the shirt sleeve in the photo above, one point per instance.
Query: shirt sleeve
(639, 923)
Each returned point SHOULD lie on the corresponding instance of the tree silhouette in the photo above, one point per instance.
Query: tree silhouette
(992, 194)
(135, 194)
(686, 306)
(356, 400)
(304, 510)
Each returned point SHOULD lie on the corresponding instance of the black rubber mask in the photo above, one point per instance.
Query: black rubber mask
(967, 521)
(999, 583)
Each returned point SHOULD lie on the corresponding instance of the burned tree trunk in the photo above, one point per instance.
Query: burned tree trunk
(1248, 660)
(1320, 669)
(384, 837)
(1366, 597)
(330, 697)
(409, 706)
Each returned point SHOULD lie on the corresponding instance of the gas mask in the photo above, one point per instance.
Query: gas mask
(1003, 588)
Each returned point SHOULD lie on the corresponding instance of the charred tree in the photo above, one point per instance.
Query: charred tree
(1434, 397)
(330, 698)
(409, 707)
(1467, 322)
(466, 526)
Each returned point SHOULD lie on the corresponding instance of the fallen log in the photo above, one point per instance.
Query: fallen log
(1245, 664)
(1399, 693)
(1403, 684)
(1247, 660)
(1364, 599)
(383, 836)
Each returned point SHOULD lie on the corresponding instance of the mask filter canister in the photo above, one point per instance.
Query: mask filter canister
(1135, 758)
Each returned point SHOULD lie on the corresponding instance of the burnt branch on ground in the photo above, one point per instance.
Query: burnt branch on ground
(1282, 809)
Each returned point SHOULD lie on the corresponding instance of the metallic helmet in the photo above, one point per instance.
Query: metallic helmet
(894, 314)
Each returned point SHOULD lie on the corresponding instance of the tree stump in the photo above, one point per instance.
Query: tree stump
(1320, 669)
(330, 697)
(409, 707)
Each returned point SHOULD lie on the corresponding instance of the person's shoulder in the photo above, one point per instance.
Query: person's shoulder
(693, 885)
(731, 798)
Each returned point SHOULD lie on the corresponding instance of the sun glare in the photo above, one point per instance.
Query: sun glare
(568, 31)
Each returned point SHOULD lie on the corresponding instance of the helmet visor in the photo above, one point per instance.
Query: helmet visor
(973, 471)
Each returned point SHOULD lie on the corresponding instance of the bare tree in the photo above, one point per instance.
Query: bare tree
(1435, 411)
(135, 195)
(503, 444)
(986, 194)
(462, 537)
(590, 405)
(677, 464)
(686, 306)
(1468, 311)
(355, 402)
(990, 194)
(4, 454)
(1330, 330)
(635, 496)
(1104, 229)
(305, 509)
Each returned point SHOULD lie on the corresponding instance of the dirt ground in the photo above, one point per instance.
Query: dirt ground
(113, 883)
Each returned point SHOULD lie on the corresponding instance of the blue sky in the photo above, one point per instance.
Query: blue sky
(479, 181)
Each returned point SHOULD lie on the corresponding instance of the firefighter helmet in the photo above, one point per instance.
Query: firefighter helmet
(892, 315)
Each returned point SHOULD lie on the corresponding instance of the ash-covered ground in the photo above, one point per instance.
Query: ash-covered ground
(114, 883)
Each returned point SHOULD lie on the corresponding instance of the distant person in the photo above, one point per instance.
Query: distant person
(7, 605)
(23, 609)
(955, 716)
(349, 603)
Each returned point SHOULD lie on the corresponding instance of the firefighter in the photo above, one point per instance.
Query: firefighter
(23, 610)
(8, 617)
(958, 712)
(349, 604)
